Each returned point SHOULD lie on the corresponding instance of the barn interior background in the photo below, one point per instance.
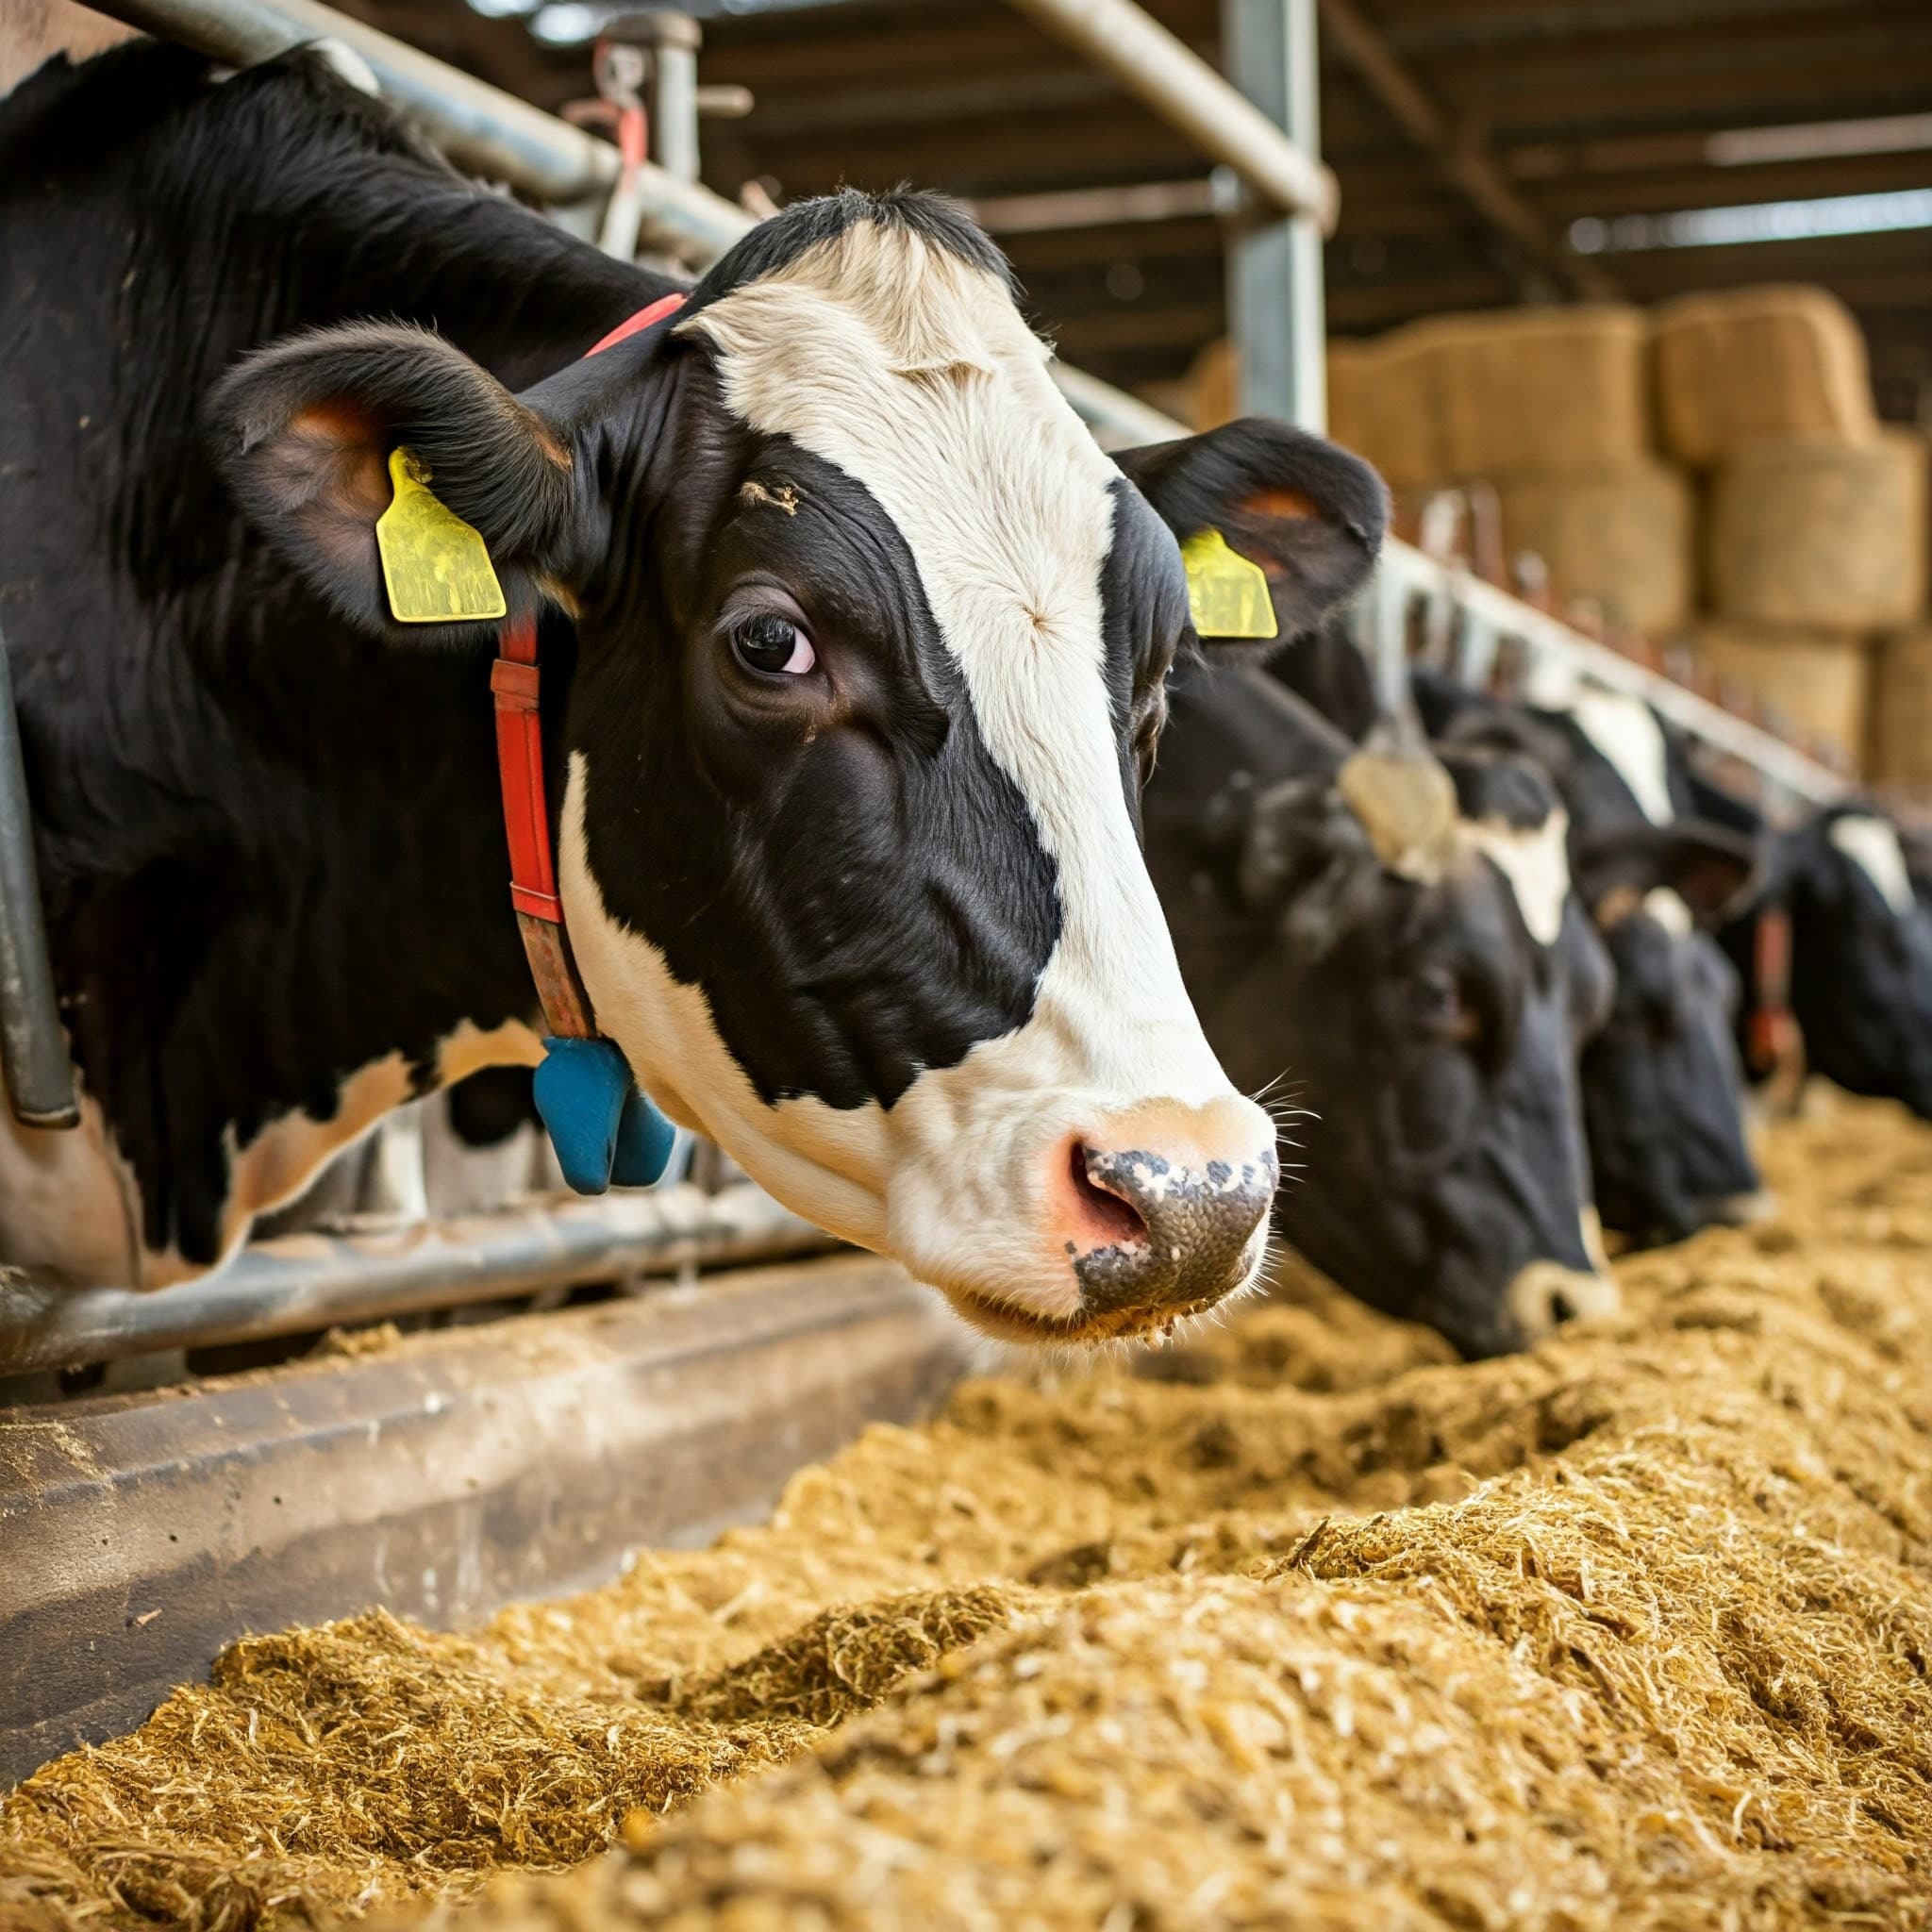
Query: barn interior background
(1631, 302)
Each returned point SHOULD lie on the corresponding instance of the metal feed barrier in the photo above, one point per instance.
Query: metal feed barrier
(301, 1283)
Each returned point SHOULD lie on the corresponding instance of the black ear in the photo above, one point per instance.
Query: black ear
(1713, 868)
(304, 430)
(1309, 514)
(1295, 854)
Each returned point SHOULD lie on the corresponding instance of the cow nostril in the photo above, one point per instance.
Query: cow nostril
(1114, 1220)
(1561, 1307)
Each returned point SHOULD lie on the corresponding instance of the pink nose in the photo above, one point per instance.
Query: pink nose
(1162, 1207)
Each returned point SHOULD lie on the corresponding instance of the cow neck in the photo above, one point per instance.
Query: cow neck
(515, 681)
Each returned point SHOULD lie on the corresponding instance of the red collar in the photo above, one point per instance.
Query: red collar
(514, 679)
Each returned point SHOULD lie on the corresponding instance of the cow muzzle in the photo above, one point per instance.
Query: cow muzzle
(1545, 1295)
(1163, 1211)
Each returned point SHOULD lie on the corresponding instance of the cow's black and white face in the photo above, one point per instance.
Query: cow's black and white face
(870, 645)
(1400, 940)
(1861, 953)
(1661, 1081)
(1662, 1089)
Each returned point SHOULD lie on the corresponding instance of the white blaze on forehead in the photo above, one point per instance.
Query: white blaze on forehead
(1670, 911)
(1871, 845)
(1625, 730)
(1534, 862)
(911, 370)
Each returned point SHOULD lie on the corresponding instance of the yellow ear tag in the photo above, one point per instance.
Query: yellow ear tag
(1227, 596)
(436, 568)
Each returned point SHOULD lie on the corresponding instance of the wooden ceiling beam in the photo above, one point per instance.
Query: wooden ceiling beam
(1467, 161)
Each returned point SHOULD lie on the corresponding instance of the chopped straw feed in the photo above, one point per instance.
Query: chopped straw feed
(1316, 1628)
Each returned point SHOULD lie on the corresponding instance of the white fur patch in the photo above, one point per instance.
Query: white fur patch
(1536, 865)
(1872, 844)
(1670, 911)
(1625, 730)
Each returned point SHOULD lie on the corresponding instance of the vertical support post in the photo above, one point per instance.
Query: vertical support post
(40, 1076)
(672, 95)
(1275, 310)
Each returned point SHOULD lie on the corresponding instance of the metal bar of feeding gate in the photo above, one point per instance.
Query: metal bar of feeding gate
(480, 127)
(1169, 76)
(296, 1284)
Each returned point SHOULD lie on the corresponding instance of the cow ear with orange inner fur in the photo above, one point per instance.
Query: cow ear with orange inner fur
(1310, 516)
(309, 431)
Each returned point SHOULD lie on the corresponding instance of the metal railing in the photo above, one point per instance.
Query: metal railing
(298, 1284)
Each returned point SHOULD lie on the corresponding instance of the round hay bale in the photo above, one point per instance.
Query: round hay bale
(1743, 364)
(1816, 682)
(1902, 711)
(1536, 392)
(1806, 531)
(1622, 537)
(1378, 405)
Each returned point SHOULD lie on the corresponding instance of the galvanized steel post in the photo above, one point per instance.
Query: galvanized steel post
(1278, 319)
(39, 1076)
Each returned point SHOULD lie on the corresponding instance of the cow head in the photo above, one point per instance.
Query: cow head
(1397, 935)
(1663, 1093)
(1662, 1086)
(1860, 907)
(870, 643)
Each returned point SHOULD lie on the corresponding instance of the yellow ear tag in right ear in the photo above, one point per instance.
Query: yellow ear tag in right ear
(1227, 596)
(436, 568)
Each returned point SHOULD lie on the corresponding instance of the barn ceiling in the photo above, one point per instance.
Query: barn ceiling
(1469, 136)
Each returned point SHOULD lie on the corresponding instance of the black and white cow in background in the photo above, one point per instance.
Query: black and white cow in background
(1663, 1090)
(855, 645)
(1395, 933)
(1858, 900)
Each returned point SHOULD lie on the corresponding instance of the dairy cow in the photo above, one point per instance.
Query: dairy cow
(852, 644)
(1662, 1086)
(1856, 899)
(1394, 933)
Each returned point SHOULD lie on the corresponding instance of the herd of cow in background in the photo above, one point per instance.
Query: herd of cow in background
(1479, 1068)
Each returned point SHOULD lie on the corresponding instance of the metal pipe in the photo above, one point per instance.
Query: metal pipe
(297, 1283)
(1170, 77)
(673, 40)
(33, 1043)
(1277, 311)
(480, 127)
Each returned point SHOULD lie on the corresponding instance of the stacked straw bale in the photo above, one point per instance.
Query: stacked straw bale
(1818, 682)
(1547, 393)
(1900, 746)
(1809, 532)
(1750, 364)
(1623, 538)
(1628, 1633)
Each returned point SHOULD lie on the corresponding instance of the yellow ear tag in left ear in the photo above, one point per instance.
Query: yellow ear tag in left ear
(436, 568)
(1227, 596)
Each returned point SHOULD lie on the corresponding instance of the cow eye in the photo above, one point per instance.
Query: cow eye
(772, 645)
(1438, 1004)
